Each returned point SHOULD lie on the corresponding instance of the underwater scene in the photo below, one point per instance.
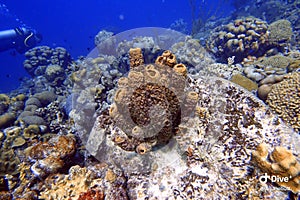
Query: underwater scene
(150, 100)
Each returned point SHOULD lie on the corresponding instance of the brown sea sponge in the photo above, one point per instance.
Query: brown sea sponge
(136, 57)
(166, 59)
(180, 69)
(147, 105)
(284, 99)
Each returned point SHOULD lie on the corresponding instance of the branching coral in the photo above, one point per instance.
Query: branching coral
(39, 58)
(241, 38)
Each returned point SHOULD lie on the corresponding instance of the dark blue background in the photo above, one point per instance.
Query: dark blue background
(73, 24)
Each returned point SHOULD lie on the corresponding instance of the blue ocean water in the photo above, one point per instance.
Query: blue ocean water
(74, 24)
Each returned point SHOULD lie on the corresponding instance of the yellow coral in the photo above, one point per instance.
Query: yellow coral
(244, 82)
(4, 97)
(67, 186)
(282, 164)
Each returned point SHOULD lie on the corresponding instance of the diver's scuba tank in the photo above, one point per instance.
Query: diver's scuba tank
(20, 38)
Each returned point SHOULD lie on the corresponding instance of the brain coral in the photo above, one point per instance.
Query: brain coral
(280, 31)
(147, 104)
(277, 61)
(284, 99)
(55, 73)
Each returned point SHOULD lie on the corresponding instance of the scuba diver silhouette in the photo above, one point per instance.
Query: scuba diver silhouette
(20, 38)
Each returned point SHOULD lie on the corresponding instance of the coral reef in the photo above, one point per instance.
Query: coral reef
(9, 142)
(210, 154)
(271, 11)
(4, 103)
(284, 99)
(266, 69)
(50, 69)
(93, 90)
(91, 194)
(269, 70)
(39, 58)
(66, 186)
(280, 163)
(248, 37)
(148, 44)
(10, 108)
(220, 70)
(168, 129)
(263, 91)
(241, 38)
(86, 183)
(30, 114)
(7, 119)
(277, 63)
